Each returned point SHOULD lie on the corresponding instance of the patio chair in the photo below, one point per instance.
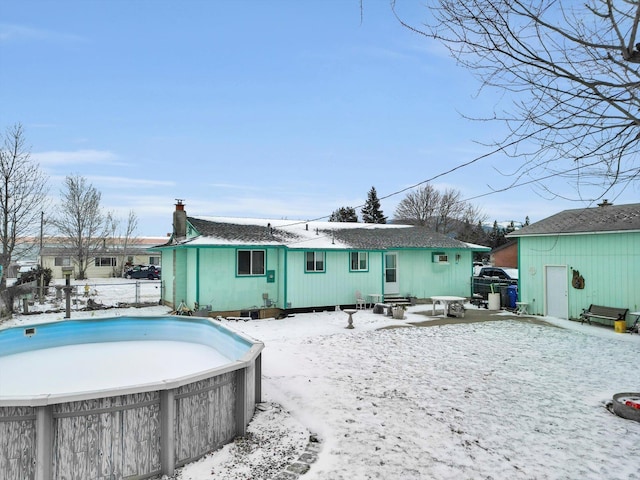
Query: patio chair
(361, 303)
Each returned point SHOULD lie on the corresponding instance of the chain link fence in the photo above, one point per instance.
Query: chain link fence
(90, 295)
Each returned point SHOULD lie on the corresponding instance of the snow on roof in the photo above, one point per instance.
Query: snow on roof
(474, 246)
(315, 234)
(300, 225)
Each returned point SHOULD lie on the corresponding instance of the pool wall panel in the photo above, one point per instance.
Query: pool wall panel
(106, 438)
(17, 442)
(205, 417)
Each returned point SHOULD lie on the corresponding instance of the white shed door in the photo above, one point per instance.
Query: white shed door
(556, 291)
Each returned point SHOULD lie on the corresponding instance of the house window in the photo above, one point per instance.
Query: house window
(315, 262)
(62, 261)
(359, 261)
(153, 260)
(251, 262)
(105, 261)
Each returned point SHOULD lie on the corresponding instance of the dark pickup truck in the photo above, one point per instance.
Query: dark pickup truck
(491, 279)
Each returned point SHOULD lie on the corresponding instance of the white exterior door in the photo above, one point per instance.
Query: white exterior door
(391, 286)
(556, 291)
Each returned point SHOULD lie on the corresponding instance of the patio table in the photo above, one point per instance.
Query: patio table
(445, 300)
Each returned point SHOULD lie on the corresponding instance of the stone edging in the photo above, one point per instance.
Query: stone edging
(303, 463)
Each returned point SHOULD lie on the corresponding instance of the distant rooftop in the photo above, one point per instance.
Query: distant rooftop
(605, 218)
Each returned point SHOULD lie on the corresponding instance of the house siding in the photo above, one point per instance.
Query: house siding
(419, 276)
(179, 279)
(168, 274)
(336, 286)
(210, 278)
(608, 262)
(191, 277)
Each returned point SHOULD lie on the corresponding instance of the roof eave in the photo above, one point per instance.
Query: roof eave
(554, 234)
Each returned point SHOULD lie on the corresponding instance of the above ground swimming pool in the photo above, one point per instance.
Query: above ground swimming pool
(123, 397)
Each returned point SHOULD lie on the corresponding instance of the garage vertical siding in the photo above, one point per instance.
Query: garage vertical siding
(608, 262)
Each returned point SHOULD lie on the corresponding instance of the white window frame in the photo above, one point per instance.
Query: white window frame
(362, 261)
(62, 261)
(106, 262)
(317, 262)
(256, 269)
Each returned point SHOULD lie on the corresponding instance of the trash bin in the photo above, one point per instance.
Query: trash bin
(512, 293)
(494, 301)
(504, 295)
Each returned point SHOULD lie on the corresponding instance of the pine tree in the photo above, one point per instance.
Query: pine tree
(344, 214)
(496, 237)
(371, 212)
(510, 228)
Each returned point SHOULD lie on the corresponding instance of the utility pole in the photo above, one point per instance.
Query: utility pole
(41, 264)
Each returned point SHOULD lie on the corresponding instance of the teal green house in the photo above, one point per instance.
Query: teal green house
(581, 257)
(249, 265)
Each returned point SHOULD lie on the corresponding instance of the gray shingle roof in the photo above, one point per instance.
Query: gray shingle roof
(240, 233)
(611, 218)
(368, 237)
(411, 237)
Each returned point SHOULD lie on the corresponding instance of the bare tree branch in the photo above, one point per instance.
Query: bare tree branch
(571, 71)
(443, 212)
(81, 221)
(23, 193)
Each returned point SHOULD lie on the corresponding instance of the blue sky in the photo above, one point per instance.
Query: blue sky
(279, 109)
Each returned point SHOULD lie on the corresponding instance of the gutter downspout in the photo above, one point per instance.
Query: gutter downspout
(383, 275)
(284, 280)
(198, 276)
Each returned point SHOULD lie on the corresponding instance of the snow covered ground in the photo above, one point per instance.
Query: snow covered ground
(505, 399)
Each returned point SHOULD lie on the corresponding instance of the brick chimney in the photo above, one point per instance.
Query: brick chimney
(179, 221)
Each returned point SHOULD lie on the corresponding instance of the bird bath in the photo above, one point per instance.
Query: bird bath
(350, 313)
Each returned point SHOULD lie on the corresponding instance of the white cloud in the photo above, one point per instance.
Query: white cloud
(11, 32)
(80, 157)
(121, 182)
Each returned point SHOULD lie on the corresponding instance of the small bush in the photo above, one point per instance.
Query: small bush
(34, 276)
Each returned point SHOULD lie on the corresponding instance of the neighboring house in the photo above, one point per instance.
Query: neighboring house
(581, 257)
(505, 255)
(104, 262)
(245, 264)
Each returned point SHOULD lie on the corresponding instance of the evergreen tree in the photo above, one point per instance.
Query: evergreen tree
(371, 212)
(510, 228)
(481, 235)
(473, 234)
(465, 233)
(526, 221)
(344, 214)
(496, 237)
